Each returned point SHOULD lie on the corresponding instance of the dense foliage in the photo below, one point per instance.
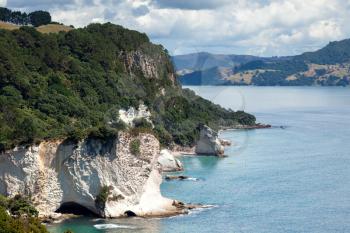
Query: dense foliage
(73, 84)
(335, 52)
(22, 217)
(36, 18)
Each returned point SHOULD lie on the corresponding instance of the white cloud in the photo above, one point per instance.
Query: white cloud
(325, 30)
(260, 27)
(3, 3)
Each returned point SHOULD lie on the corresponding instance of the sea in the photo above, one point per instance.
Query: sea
(293, 177)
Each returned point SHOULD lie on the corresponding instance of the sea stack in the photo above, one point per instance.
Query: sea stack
(209, 142)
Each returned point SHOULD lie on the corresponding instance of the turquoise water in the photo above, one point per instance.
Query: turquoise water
(290, 179)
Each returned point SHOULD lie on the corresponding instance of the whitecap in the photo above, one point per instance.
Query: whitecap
(201, 209)
(112, 226)
(192, 179)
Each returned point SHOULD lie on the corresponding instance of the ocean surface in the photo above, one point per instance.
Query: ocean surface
(294, 177)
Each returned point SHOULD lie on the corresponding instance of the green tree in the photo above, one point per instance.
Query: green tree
(5, 14)
(38, 18)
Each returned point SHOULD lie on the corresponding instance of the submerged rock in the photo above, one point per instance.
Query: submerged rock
(55, 173)
(168, 162)
(209, 143)
(180, 177)
(176, 177)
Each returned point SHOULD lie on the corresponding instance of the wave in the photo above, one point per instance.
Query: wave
(112, 226)
(201, 209)
(192, 179)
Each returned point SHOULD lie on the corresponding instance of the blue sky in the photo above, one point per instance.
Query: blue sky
(265, 27)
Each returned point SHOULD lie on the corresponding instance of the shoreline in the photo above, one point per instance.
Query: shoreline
(190, 151)
(238, 127)
(180, 209)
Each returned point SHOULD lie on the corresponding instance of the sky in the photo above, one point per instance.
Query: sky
(255, 27)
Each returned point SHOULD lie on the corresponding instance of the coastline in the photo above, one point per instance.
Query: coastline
(178, 151)
(238, 127)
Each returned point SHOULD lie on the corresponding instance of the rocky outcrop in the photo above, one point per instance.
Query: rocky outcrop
(55, 173)
(225, 142)
(168, 162)
(209, 143)
(150, 64)
(130, 115)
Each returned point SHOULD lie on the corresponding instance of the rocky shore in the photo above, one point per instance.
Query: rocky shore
(256, 126)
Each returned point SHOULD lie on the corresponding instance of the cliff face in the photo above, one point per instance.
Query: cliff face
(55, 173)
(152, 65)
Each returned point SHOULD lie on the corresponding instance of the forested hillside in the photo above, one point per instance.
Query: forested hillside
(72, 84)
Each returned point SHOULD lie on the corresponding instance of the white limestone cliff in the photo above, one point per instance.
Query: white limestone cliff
(58, 172)
(209, 143)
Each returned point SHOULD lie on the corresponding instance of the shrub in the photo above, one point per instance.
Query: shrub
(102, 197)
(142, 123)
(134, 147)
(20, 205)
(4, 201)
(24, 217)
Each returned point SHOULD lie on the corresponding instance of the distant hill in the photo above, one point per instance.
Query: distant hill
(329, 66)
(200, 61)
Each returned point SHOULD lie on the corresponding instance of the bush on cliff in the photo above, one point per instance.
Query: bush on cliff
(134, 147)
(20, 205)
(102, 197)
(23, 216)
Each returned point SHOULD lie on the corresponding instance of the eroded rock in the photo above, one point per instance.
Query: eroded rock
(55, 173)
(209, 143)
(130, 115)
(168, 161)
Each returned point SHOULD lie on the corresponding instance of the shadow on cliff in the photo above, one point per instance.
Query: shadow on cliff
(76, 209)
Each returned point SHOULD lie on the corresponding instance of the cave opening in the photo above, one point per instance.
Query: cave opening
(130, 213)
(76, 209)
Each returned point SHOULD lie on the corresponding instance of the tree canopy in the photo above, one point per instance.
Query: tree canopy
(35, 18)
